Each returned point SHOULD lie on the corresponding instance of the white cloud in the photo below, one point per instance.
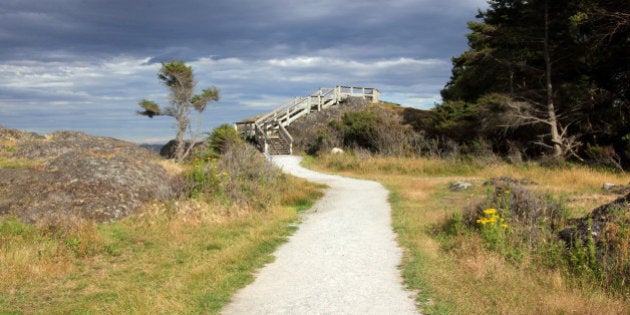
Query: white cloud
(263, 101)
(122, 78)
(112, 87)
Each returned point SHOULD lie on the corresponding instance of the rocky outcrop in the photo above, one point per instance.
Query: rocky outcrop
(71, 174)
(599, 226)
(604, 235)
(168, 150)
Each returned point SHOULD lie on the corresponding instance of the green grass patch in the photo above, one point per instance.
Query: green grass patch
(12, 163)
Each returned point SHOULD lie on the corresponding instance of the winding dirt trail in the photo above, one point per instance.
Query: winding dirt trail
(342, 260)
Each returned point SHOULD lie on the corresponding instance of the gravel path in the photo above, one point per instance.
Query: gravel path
(342, 260)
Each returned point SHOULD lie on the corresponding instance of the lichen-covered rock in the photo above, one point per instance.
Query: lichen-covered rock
(605, 226)
(77, 175)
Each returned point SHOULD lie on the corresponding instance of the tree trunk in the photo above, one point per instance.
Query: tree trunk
(182, 125)
(556, 139)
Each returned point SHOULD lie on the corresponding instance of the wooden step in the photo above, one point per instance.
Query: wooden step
(278, 147)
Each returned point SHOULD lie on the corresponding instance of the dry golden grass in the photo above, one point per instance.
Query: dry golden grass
(581, 185)
(29, 254)
(171, 167)
(176, 257)
(158, 262)
(458, 275)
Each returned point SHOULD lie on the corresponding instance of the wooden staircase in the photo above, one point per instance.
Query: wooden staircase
(277, 146)
(269, 130)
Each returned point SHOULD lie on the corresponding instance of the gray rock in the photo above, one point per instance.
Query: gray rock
(336, 151)
(168, 150)
(459, 185)
(608, 186)
(80, 176)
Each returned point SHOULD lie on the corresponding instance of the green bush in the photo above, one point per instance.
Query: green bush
(221, 137)
(313, 148)
(358, 129)
(12, 226)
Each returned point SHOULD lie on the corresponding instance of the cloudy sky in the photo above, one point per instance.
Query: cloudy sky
(85, 64)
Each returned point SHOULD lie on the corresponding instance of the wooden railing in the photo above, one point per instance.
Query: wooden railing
(286, 138)
(261, 138)
(275, 121)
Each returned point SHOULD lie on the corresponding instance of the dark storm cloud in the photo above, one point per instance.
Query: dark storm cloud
(237, 28)
(82, 63)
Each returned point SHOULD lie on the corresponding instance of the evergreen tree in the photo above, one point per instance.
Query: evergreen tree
(559, 68)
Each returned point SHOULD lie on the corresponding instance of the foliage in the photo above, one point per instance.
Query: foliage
(241, 176)
(457, 120)
(180, 81)
(359, 126)
(577, 46)
(517, 223)
(221, 138)
(493, 229)
(358, 129)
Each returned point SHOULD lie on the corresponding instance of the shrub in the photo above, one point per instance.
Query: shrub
(240, 176)
(516, 222)
(221, 137)
(598, 245)
(250, 178)
(603, 156)
(313, 133)
(358, 129)
(494, 230)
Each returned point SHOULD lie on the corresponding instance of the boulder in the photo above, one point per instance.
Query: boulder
(459, 185)
(71, 174)
(336, 151)
(608, 186)
(605, 226)
(168, 150)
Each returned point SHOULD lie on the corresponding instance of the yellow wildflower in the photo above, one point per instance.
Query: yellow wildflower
(490, 211)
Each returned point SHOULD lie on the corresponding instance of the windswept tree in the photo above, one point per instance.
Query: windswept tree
(179, 79)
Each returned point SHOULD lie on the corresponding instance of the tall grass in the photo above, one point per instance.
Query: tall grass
(452, 266)
(365, 163)
(180, 256)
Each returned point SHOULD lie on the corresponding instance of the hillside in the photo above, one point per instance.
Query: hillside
(380, 128)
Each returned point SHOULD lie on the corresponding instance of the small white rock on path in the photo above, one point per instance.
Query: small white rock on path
(343, 259)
